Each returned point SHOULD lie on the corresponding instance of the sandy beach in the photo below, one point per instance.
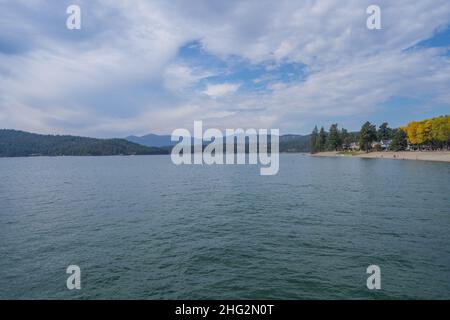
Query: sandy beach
(443, 156)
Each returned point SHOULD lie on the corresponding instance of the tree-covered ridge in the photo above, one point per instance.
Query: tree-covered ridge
(15, 143)
(295, 143)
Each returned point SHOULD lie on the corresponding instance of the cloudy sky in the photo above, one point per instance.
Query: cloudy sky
(137, 67)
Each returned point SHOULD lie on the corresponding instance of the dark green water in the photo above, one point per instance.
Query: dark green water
(140, 227)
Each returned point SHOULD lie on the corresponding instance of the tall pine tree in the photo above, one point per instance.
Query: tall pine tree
(322, 141)
(314, 139)
(367, 135)
(334, 142)
(399, 141)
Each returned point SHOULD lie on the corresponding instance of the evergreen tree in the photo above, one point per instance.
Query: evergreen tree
(367, 135)
(399, 141)
(314, 139)
(322, 141)
(384, 132)
(333, 142)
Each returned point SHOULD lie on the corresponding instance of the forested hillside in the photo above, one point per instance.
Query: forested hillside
(15, 143)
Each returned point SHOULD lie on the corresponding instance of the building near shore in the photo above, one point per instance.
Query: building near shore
(385, 144)
(354, 146)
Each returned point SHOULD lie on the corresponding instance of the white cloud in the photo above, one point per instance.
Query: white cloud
(180, 77)
(219, 90)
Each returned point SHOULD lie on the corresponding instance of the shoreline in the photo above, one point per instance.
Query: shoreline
(439, 156)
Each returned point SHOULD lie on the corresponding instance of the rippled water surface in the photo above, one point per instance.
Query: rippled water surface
(140, 227)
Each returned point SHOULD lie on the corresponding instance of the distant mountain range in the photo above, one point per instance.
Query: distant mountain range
(288, 143)
(152, 140)
(15, 143)
(295, 143)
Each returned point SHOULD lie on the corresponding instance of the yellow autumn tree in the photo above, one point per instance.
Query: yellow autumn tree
(427, 128)
(411, 131)
(434, 132)
(420, 136)
(441, 130)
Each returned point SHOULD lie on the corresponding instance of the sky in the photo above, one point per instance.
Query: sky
(138, 67)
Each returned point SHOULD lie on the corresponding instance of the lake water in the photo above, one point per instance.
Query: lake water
(140, 227)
